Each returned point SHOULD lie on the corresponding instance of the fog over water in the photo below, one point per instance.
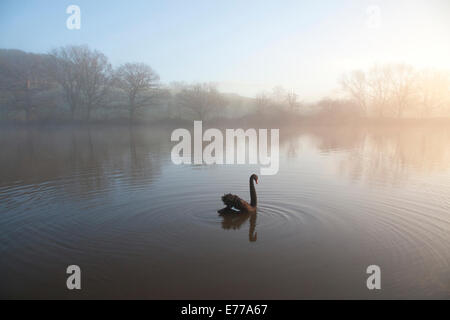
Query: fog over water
(110, 200)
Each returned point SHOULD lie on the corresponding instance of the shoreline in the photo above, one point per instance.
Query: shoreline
(244, 122)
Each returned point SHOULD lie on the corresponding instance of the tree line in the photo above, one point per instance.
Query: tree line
(398, 91)
(76, 83)
(79, 84)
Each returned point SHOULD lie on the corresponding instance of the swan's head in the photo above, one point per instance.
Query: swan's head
(254, 177)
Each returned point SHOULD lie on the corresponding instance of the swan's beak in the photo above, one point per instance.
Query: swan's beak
(256, 180)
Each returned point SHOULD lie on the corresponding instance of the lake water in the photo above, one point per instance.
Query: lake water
(111, 201)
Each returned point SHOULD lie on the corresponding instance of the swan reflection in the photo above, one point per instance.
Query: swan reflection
(232, 219)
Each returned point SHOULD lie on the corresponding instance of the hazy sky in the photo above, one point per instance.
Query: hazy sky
(245, 46)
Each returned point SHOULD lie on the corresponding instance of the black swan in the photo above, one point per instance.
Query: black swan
(233, 201)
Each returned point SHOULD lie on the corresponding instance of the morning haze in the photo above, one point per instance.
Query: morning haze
(357, 92)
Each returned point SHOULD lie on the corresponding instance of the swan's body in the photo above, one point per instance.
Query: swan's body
(233, 201)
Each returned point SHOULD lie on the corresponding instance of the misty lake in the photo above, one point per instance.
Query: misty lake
(110, 200)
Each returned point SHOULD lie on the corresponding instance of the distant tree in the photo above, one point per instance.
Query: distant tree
(355, 84)
(174, 106)
(95, 77)
(66, 70)
(203, 101)
(85, 76)
(262, 102)
(402, 85)
(433, 92)
(387, 90)
(23, 76)
(136, 79)
(379, 82)
(291, 99)
(278, 94)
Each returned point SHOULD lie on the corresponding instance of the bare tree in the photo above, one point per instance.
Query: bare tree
(67, 72)
(262, 102)
(23, 76)
(84, 75)
(278, 94)
(384, 90)
(95, 77)
(291, 99)
(379, 80)
(433, 92)
(201, 100)
(402, 85)
(355, 84)
(136, 79)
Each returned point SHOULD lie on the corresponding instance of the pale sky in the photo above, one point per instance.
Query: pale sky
(244, 46)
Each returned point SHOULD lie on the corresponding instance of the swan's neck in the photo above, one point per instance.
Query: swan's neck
(252, 193)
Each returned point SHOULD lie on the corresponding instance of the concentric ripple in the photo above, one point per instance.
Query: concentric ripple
(114, 203)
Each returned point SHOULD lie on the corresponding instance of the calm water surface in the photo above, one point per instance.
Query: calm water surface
(111, 201)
